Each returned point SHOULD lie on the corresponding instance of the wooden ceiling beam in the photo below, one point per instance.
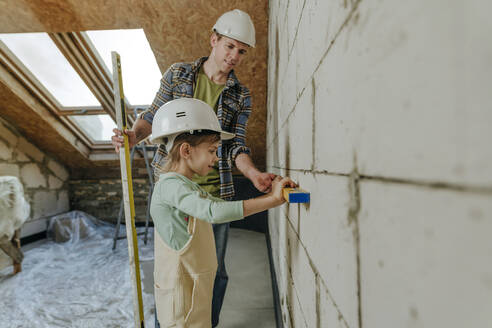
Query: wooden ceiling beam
(49, 132)
(24, 83)
(93, 110)
(27, 79)
(84, 58)
(82, 110)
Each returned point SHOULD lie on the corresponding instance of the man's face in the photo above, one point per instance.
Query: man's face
(227, 53)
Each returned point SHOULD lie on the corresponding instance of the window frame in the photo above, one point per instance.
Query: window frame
(81, 54)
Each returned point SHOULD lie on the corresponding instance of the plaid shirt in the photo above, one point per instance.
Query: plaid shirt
(233, 110)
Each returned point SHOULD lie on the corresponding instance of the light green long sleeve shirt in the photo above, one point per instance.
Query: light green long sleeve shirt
(175, 198)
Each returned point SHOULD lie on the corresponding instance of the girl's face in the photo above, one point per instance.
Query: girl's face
(203, 157)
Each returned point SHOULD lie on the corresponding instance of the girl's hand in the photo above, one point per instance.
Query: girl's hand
(278, 185)
(272, 199)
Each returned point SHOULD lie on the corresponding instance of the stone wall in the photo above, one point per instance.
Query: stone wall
(101, 198)
(382, 110)
(44, 179)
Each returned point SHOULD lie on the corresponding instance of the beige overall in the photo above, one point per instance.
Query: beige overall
(184, 279)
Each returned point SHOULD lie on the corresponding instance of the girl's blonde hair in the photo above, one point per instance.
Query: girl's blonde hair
(195, 139)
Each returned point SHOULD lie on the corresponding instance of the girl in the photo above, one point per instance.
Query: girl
(185, 258)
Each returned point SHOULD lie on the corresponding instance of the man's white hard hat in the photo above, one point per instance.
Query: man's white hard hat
(184, 115)
(237, 25)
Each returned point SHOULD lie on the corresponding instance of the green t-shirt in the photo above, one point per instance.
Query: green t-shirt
(209, 92)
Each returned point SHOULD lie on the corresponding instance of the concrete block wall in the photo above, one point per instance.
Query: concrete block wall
(381, 109)
(44, 179)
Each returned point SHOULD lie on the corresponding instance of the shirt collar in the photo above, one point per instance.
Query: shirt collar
(231, 79)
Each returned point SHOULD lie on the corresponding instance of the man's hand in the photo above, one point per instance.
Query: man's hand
(118, 141)
(141, 129)
(263, 181)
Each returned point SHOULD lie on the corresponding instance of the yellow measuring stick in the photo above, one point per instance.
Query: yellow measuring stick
(127, 185)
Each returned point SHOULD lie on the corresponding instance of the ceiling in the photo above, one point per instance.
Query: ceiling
(177, 30)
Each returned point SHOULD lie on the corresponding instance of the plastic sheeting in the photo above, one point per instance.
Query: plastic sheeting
(80, 282)
(14, 210)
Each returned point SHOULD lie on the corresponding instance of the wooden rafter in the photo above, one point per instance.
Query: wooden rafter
(22, 101)
(81, 54)
(28, 88)
(27, 79)
(15, 71)
(84, 58)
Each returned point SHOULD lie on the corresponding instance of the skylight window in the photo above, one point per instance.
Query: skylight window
(41, 56)
(141, 75)
(97, 127)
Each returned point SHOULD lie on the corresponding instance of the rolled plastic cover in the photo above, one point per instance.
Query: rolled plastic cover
(73, 226)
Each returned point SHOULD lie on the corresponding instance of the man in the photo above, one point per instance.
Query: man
(212, 80)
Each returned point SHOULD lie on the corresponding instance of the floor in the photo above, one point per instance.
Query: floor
(249, 300)
(84, 284)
